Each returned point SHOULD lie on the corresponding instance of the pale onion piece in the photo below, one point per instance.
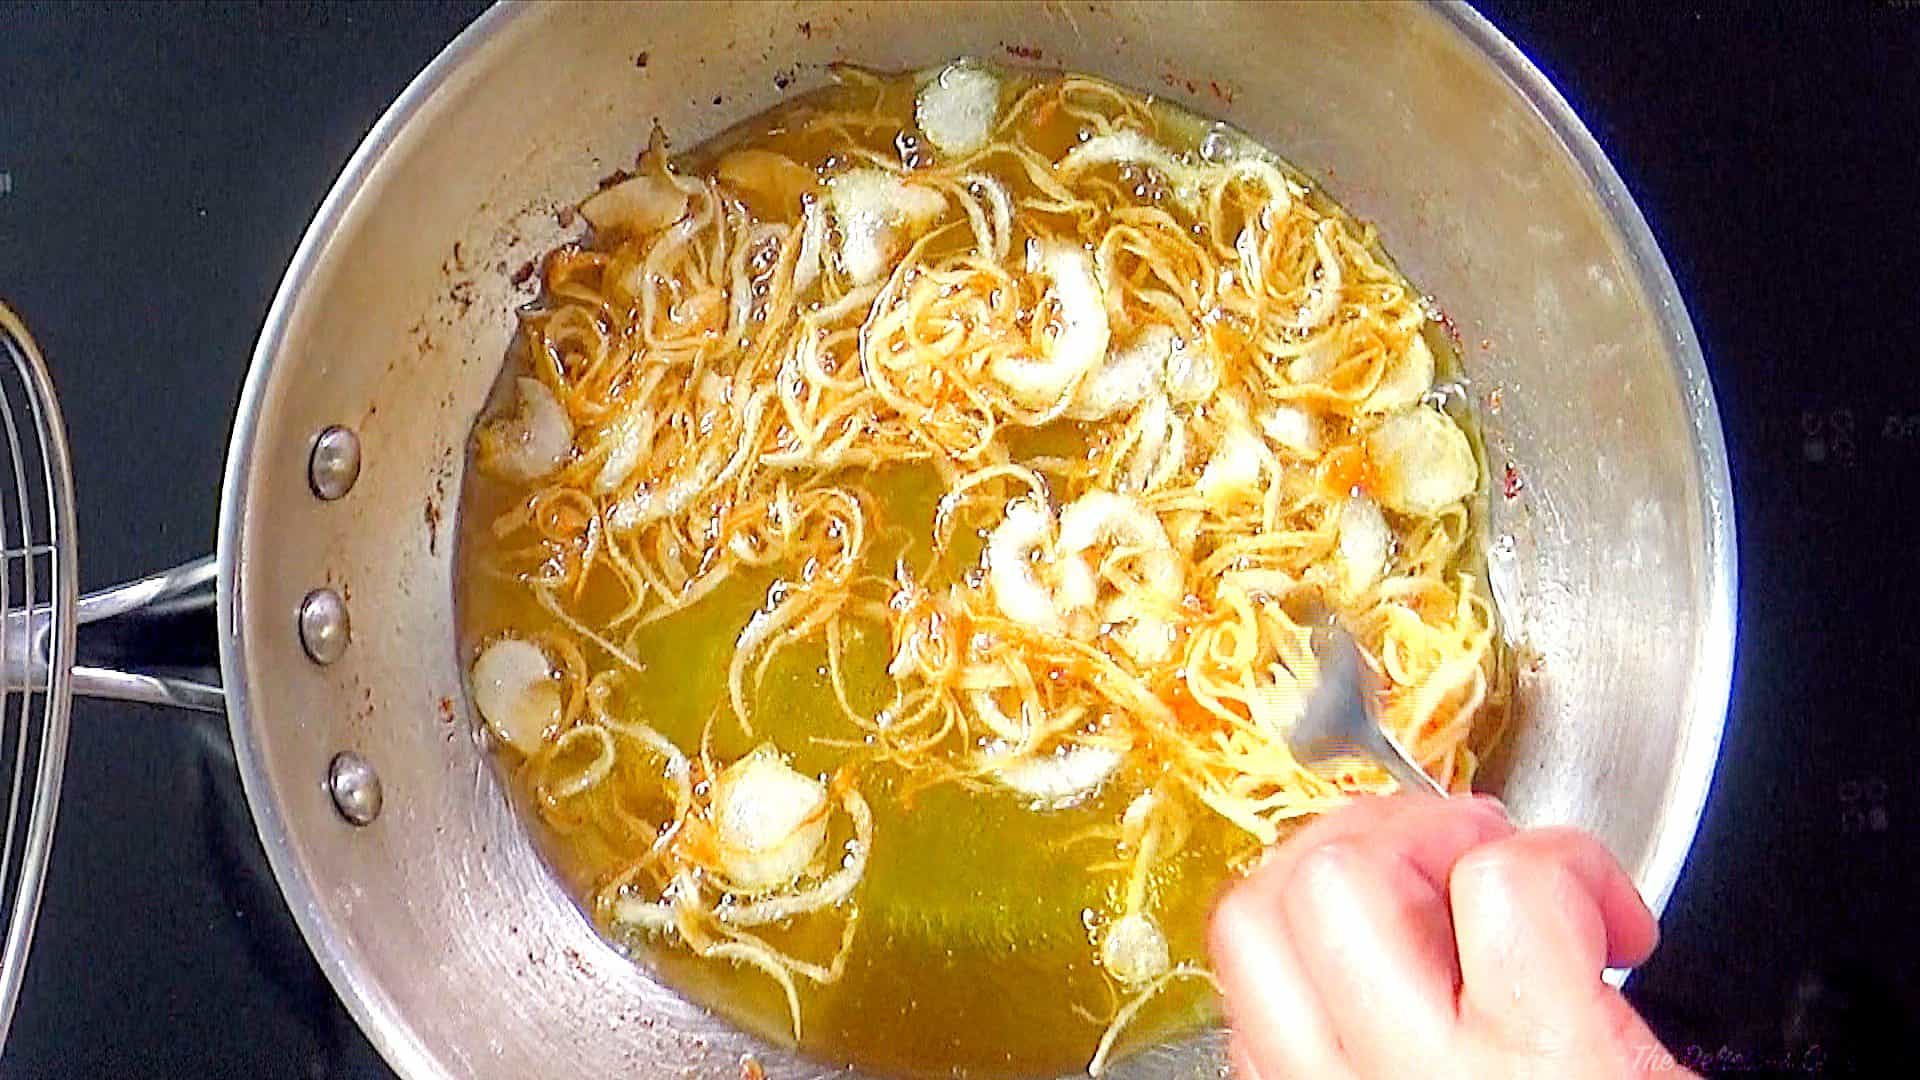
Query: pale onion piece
(1000, 204)
(956, 108)
(1129, 147)
(741, 294)
(1147, 638)
(1232, 474)
(830, 891)
(531, 441)
(1277, 706)
(1134, 951)
(1247, 246)
(813, 245)
(1422, 462)
(1126, 378)
(1075, 593)
(1083, 329)
(1104, 517)
(1316, 362)
(1260, 583)
(1135, 617)
(1123, 1016)
(1323, 296)
(1123, 147)
(771, 821)
(641, 204)
(645, 506)
(1365, 545)
(1292, 429)
(644, 915)
(516, 693)
(990, 223)
(1080, 344)
(1408, 376)
(1193, 372)
(631, 437)
(1161, 449)
(774, 177)
(905, 658)
(1024, 533)
(996, 719)
(876, 210)
(1138, 815)
(993, 675)
(716, 464)
(1061, 778)
(1280, 191)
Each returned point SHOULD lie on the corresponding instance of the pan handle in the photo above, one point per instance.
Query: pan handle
(154, 641)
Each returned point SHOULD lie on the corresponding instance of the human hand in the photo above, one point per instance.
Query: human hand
(1408, 936)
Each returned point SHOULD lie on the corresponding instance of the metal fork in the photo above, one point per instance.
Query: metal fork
(1338, 721)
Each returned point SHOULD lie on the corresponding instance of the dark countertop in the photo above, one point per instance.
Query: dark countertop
(158, 166)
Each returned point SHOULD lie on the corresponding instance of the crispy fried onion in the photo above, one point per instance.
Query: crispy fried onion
(1175, 411)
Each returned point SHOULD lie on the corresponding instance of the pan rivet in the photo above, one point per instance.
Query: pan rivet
(335, 463)
(355, 788)
(323, 626)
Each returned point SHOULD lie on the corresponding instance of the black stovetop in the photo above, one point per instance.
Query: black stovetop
(158, 165)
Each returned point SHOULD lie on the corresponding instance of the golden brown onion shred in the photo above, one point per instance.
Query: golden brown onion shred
(1172, 405)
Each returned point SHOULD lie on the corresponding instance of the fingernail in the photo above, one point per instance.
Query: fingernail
(1491, 805)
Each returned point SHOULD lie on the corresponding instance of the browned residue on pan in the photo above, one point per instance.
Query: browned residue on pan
(431, 511)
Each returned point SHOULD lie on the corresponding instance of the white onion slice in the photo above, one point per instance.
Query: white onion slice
(642, 204)
(813, 244)
(1278, 705)
(631, 437)
(1134, 951)
(1040, 382)
(1161, 449)
(771, 821)
(1315, 362)
(1129, 147)
(1292, 429)
(1062, 778)
(1409, 374)
(514, 689)
(957, 107)
(1123, 147)
(1000, 206)
(1193, 374)
(1232, 474)
(1323, 296)
(1422, 462)
(1127, 377)
(778, 179)
(1025, 532)
(829, 891)
(1103, 517)
(531, 441)
(875, 210)
(1140, 631)
(1365, 545)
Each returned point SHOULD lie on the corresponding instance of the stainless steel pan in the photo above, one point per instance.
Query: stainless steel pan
(414, 884)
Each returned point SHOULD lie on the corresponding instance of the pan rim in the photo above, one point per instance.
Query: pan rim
(384, 1024)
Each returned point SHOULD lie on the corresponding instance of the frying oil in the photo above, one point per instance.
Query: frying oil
(975, 953)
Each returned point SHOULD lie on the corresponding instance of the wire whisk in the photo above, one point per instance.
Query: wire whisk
(38, 597)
